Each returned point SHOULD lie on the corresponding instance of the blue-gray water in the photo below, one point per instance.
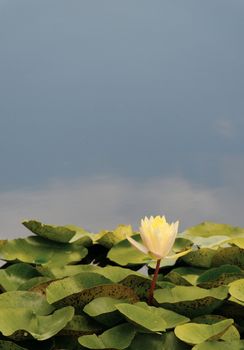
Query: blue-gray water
(112, 110)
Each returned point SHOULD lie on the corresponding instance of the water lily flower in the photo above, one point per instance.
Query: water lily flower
(157, 235)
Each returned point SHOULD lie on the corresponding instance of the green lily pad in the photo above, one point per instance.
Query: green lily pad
(60, 289)
(104, 310)
(207, 229)
(123, 253)
(25, 300)
(34, 282)
(80, 299)
(140, 285)
(142, 317)
(200, 257)
(15, 275)
(40, 327)
(153, 341)
(64, 234)
(171, 318)
(81, 325)
(236, 289)
(220, 345)
(37, 250)
(118, 337)
(195, 333)
(189, 274)
(191, 301)
(231, 334)
(109, 238)
(229, 255)
(222, 275)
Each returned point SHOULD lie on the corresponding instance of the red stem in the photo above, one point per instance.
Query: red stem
(153, 284)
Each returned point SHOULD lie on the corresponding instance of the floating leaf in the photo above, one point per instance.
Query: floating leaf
(229, 255)
(142, 317)
(207, 229)
(200, 257)
(81, 325)
(79, 300)
(123, 253)
(191, 301)
(189, 274)
(109, 238)
(118, 337)
(220, 345)
(40, 327)
(25, 300)
(64, 234)
(140, 285)
(15, 275)
(37, 250)
(154, 341)
(237, 289)
(60, 289)
(222, 275)
(34, 283)
(103, 309)
(195, 333)
(171, 318)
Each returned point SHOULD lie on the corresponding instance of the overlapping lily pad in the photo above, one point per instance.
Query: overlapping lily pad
(66, 283)
(118, 337)
(37, 250)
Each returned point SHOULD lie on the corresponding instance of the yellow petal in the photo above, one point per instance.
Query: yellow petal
(137, 245)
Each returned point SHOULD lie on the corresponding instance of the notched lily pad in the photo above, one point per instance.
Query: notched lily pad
(15, 275)
(195, 333)
(81, 325)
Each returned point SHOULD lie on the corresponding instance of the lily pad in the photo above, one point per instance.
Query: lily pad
(40, 327)
(81, 325)
(208, 228)
(80, 299)
(123, 253)
(154, 341)
(118, 337)
(64, 234)
(222, 275)
(109, 238)
(37, 250)
(104, 310)
(142, 317)
(60, 289)
(195, 333)
(220, 345)
(191, 301)
(15, 275)
(237, 289)
(171, 318)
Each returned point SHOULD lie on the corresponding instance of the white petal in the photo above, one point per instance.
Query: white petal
(138, 245)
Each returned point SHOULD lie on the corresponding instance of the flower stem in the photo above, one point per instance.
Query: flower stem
(153, 284)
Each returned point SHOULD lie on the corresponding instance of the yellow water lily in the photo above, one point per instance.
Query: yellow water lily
(157, 235)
